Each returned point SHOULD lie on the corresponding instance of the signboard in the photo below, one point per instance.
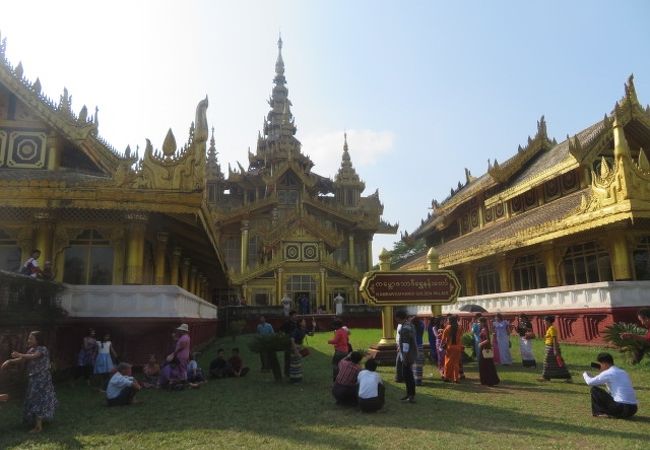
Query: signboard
(388, 288)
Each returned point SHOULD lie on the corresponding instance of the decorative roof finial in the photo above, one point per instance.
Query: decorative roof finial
(280, 41)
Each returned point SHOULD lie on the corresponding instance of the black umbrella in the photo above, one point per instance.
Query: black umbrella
(472, 308)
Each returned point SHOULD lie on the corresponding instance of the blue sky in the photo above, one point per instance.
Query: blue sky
(424, 88)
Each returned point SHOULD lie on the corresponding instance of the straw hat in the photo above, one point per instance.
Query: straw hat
(183, 327)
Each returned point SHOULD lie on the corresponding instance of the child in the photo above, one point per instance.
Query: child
(236, 364)
(151, 371)
(194, 372)
(371, 388)
(219, 366)
(122, 387)
(104, 362)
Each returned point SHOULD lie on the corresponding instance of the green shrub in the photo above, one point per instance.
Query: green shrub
(632, 349)
(467, 339)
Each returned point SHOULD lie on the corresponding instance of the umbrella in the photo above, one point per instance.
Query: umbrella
(472, 308)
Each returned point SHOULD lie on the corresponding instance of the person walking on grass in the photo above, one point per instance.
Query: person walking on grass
(407, 353)
(554, 366)
(40, 398)
(486, 369)
(265, 329)
(525, 331)
(451, 340)
(620, 402)
(501, 340)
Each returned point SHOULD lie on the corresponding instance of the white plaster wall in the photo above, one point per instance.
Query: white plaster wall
(135, 301)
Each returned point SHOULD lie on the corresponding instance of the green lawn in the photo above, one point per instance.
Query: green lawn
(255, 412)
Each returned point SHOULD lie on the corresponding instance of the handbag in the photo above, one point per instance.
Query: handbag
(559, 360)
(304, 352)
(487, 353)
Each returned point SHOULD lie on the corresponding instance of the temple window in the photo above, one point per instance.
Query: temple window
(361, 256)
(641, 258)
(255, 254)
(287, 197)
(487, 280)
(88, 260)
(232, 252)
(528, 272)
(9, 253)
(586, 263)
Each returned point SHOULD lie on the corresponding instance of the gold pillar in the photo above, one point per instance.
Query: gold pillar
(161, 248)
(43, 237)
(552, 275)
(185, 274)
(194, 272)
(54, 155)
(135, 248)
(433, 263)
(387, 331)
(351, 250)
(504, 275)
(469, 273)
(323, 286)
(620, 256)
(279, 287)
(176, 266)
(244, 246)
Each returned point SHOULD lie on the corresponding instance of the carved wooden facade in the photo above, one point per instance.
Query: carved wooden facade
(284, 229)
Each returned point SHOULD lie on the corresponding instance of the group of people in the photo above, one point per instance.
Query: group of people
(31, 268)
(96, 358)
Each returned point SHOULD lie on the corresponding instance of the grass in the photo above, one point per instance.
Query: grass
(255, 411)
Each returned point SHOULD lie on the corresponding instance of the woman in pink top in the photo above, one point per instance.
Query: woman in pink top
(340, 343)
(175, 368)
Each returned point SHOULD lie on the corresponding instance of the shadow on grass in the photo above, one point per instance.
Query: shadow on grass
(255, 411)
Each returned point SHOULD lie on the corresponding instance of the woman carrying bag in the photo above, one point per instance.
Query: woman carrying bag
(486, 368)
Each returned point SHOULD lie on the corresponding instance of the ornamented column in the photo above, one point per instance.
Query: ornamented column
(194, 272)
(387, 331)
(469, 273)
(161, 249)
(621, 264)
(279, 285)
(185, 274)
(504, 274)
(176, 266)
(244, 245)
(323, 289)
(135, 247)
(552, 275)
(351, 250)
(43, 236)
(433, 263)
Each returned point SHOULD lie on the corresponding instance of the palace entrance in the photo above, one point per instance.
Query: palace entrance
(302, 286)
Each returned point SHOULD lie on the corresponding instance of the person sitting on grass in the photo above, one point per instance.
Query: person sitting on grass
(371, 388)
(194, 372)
(236, 365)
(620, 402)
(219, 366)
(122, 387)
(151, 372)
(345, 386)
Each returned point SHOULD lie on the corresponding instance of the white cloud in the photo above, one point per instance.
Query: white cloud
(366, 148)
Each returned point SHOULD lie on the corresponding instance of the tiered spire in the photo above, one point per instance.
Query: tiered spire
(346, 173)
(279, 120)
(213, 168)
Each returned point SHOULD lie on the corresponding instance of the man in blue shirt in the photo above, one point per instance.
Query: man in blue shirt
(264, 329)
(620, 402)
(122, 387)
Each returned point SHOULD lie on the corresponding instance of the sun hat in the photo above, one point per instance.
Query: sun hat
(183, 327)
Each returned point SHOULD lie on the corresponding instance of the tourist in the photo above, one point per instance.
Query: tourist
(554, 366)
(344, 389)
(620, 402)
(288, 328)
(174, 371)
(338, 303)
(40, 398)
(407, 353)
(418, 366)
(264, 329)
(431, 335)
(194, 372)
(87, 357)
(340, 343)
(501, 341)
(219, 366)
(151, 372)
(525, 331)
(286, 304)
(486, 369)
(122, 387)
(476, 334)
(371, 388)
(104, 361)
(644, 317)
(451, 341)
(295, 361)
(440, 349)
(30, 267)
(236, 366)
(303, 304)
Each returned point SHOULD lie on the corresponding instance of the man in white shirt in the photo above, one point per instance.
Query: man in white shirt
(620, 402)
(371, 388)
(122, 387)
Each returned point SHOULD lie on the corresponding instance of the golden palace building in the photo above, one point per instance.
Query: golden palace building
(283, 229)
(143, 241)
(559, 228)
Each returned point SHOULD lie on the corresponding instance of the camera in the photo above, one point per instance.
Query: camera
(595, 365)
